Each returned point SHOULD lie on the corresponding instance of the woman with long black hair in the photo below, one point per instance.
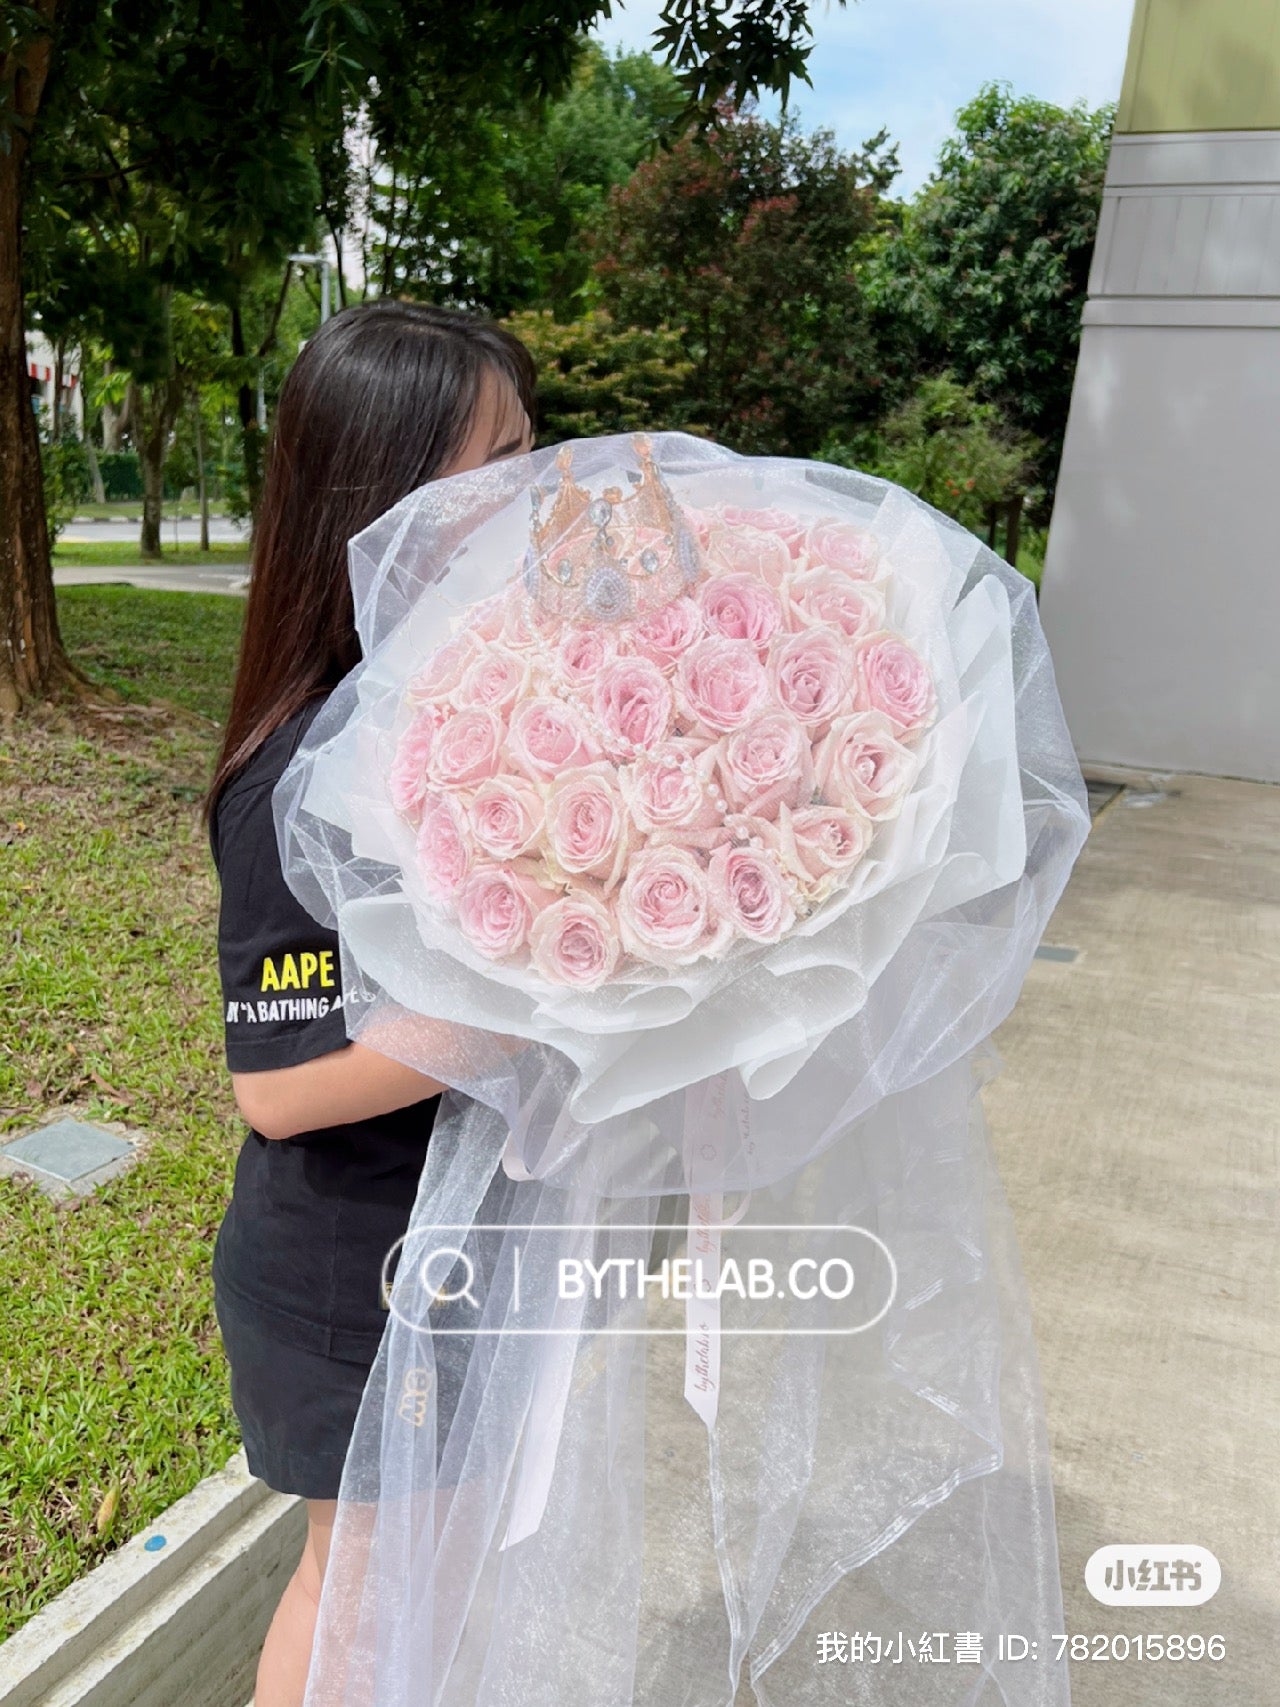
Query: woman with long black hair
(386, 397)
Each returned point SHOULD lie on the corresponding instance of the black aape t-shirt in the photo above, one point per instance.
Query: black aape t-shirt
(311, 1218)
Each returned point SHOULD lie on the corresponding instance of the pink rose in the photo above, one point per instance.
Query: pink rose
(587, 825)
(495, 678)
(575, 941)
(546, 736)
(520, 619)
(812, 675)
(443, 669)
(721, 683)
(765, 763)
(833, 544)
(505, 816)
(741, 607)
(669, 787)
(583, 653)
(496, 908)
(749, 551)
(407, 783)
(666, 634)
(701, 523)
(790, 529)
(632, 705)
(467, 748)
(825, 598)
(822, 843)
(444, 851)
(894, 679)
(485, 620)
(664, 910)
(748, 889)
(861, 764)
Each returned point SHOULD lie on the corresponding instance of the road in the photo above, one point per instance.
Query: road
(88, 530)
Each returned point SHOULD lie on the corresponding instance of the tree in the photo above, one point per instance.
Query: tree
(597, 377)
(746, 242)
(141, 193)
(199, 79)
(989, 271)
(484, 202)
(563, 163)
(32, 659)
(954, 451)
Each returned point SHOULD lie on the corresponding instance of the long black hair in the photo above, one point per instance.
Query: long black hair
(379, 401)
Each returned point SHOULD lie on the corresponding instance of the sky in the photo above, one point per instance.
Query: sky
(908, 65)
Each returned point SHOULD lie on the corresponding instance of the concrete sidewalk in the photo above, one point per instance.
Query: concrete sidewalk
(1136, 1127)
(162, 577)
(1136, 1124)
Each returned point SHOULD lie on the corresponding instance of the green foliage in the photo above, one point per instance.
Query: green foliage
(598, 377)
(989, 271)
(746, 244)
(121, 475)
(722, 48)
(66, 480)
(957, 453)
(488, 206)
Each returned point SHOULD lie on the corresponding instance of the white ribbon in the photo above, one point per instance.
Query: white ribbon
(710, 1106)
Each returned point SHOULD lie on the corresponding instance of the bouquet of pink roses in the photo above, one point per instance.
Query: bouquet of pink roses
(652, 745)
(695, 818)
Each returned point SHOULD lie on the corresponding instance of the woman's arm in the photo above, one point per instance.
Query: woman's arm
(333, 1089)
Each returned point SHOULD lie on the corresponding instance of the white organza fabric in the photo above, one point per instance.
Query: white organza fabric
(855, 1504)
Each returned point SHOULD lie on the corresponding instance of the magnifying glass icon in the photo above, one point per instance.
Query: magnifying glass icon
(439, 1295)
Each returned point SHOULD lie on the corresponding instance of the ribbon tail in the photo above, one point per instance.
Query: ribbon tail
(544, 1426)
(702, 1307)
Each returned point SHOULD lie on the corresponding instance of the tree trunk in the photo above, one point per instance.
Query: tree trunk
(95, 470)
(250, 435)
(90, 421)
(993, 523)
(201, 478)
(150, 543)
(33, 663)
(154, 409)
(1012, 529)
(112, 427)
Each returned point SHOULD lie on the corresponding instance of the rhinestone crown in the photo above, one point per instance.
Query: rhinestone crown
(612, 556)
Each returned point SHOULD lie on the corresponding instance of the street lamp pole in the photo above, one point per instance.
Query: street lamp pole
(322, 262)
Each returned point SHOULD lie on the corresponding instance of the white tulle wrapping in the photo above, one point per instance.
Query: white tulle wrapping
(894, 1479)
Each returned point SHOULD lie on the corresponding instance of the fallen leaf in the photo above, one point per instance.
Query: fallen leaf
(106, 1511)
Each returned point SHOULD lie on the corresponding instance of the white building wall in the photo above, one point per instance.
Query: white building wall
(1161, 592)
(41, 365)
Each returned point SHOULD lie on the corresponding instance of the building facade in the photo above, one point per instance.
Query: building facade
(42, 371)
(1161, 590)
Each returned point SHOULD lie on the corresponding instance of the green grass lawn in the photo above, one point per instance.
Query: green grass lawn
(130, 509)
(115, 1393)
(177, 647)
(124, 552)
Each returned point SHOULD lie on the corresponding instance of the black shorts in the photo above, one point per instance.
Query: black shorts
(296, 1407)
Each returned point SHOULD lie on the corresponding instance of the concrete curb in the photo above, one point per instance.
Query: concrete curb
(182, 1621)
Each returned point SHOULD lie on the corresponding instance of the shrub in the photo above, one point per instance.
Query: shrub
(121, 475)
(596, 377)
